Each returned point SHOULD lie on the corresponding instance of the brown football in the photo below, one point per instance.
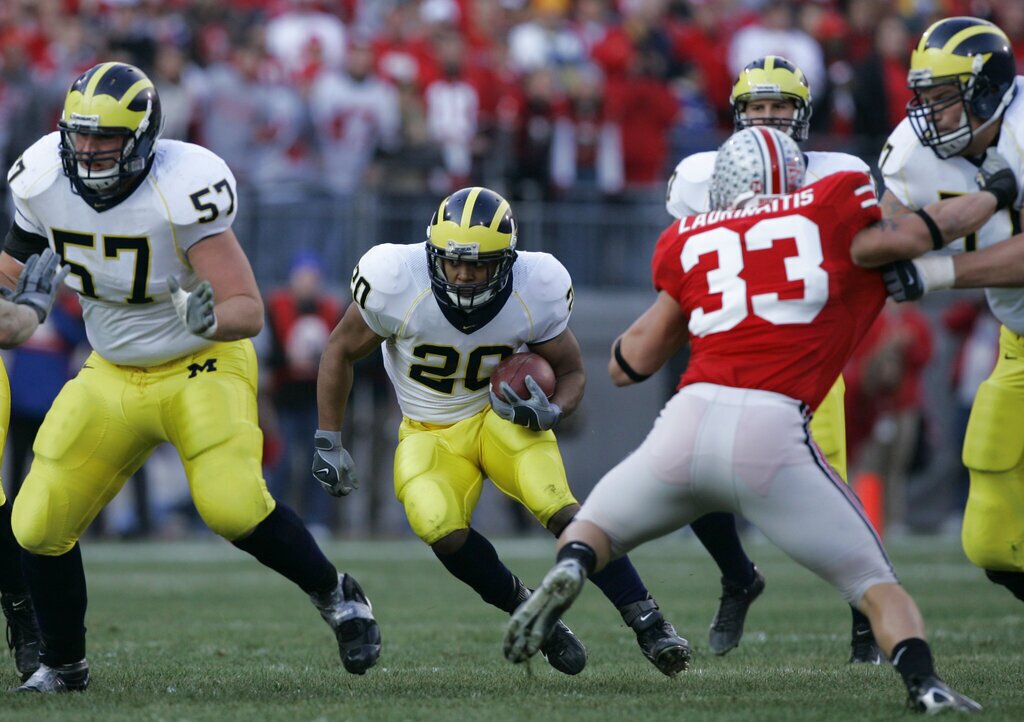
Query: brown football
(514, 369)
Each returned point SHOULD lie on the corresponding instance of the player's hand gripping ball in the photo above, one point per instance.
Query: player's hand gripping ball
(521, 386)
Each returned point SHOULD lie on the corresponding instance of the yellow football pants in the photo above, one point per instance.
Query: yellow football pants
(993, 528)
(439, 471)
(828, 427)
(108, 419)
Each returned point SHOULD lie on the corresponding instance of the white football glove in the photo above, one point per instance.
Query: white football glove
(195, 309)
(332, 465)
(536, 412)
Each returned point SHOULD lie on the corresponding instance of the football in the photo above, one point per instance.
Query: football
(514, 369)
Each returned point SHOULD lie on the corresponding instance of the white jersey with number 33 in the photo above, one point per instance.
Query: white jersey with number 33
(441, 374)
(121, 258)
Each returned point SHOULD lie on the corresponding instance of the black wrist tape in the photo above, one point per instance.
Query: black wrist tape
(937, 240)
(626, 368)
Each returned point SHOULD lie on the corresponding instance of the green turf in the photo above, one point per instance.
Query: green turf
(198, 631)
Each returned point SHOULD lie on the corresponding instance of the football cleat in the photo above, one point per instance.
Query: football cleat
(931, 695)
(535, 624)
(22, 632)
(727, 626)
(863, 648)
(53, 680)
(563, 650)
(658, 639)
(349, 613)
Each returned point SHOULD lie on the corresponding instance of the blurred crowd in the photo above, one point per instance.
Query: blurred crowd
(543, 98)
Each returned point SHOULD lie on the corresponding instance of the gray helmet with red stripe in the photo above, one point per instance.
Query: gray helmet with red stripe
(756, 164)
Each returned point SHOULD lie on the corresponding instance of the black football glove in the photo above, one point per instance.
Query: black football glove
(903, 281)
(996, 177)
(536, 412)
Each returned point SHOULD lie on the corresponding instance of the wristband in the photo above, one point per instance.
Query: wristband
(626, 368)
(937, 240)
(937, 272)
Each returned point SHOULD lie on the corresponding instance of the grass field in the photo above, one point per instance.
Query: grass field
(199, 631)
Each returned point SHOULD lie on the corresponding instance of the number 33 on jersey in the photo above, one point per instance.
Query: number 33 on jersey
(774, 283)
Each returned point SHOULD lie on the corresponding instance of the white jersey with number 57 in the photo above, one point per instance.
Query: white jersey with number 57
(688, 188)
(918, 177)
(121, 258)
(440, 373)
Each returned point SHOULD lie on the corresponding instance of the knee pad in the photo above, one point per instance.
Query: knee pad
(432, 509)
(993, 441)
(37, 522)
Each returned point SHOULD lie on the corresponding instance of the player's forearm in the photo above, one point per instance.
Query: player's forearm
(333, 386)
(569, 391)
(238, 317)
(909, 236)
(17, 323)
(957, 217)
(1001, 264)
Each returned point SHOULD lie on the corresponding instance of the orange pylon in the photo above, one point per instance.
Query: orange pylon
(870, 490)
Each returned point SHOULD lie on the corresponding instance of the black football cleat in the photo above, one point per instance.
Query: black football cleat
(658, 639)
(535, 624)
(863, 648)
(727, 626)
(22, 632)
(348, 612)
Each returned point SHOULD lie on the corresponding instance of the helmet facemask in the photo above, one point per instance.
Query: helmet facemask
(468, 297)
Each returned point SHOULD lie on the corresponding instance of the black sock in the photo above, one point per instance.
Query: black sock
(912, 658)
(620, 582)
(860, 622)
(476, 563)
(717, 532)
(11, 579)
(1014, 581)
(581, 552)
(58, 591)
(282, 542)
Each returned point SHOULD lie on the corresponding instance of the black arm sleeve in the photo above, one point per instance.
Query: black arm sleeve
(21, 244)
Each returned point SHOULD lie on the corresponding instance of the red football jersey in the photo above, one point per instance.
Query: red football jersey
(773, 298)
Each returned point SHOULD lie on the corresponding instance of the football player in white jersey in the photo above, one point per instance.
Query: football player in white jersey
(21, 312)
(170, 303)
(771, 91)
(447, 311)
(968, 99)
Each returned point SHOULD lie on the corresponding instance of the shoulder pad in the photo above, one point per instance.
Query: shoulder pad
(383, 274)
(196, 183)
(546, 279)
(900, 154)
(37, 168)
(687, 192)
(820, 164)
